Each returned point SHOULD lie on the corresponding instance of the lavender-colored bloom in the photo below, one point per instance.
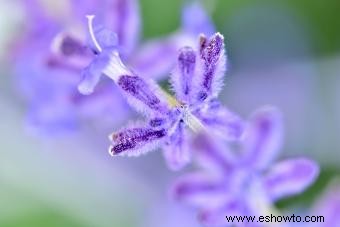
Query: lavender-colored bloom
(157, 57)
(244, 181)
(196, 82)
(328, 206)
(49, 60)
(48, 67)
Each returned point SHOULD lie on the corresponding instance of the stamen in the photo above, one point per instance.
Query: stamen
(192, 121)
(93, 37)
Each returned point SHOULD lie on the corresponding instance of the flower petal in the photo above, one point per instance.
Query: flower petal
(195, 20)
(91, 74)
(120, 16)
(328, 206)
(156, 58)
(123, 18)
(181, 79)
(290, 177)
(222, 121)
(212, 155)
(199, 190)
(135, 141)
(68, 45)
(263, 138)
(212, 66)
(106, 38)
(144, 95)
(176, 150)
(217, 216)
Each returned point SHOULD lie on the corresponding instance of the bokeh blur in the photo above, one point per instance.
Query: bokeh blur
(284, 53)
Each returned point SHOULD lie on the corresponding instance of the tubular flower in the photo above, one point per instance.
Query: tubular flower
(50, 56)
(244, 181)
(196, 82)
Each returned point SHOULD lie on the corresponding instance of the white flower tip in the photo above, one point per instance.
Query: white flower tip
(84, 89)
(57, 42)
(90, 17)
(110, 136)
(110, 151)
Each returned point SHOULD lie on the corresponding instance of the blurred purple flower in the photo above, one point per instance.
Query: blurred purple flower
(244, 181)
(196, 81)
(328, 206)
(49, 59)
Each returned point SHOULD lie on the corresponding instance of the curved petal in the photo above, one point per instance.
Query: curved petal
(135, 141)
(290, 177)
(212, 67)
(92, 73)
(181, 78)
(196, 21)
(263, 137)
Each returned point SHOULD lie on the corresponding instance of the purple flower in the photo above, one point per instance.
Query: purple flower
(328, 206)
(244, 181)
(49, 58)
(196, 81)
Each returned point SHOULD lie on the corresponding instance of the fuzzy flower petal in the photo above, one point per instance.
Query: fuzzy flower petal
(143, 95)
(212, 66)
(290, 177)
(181, 79)
(135, 141)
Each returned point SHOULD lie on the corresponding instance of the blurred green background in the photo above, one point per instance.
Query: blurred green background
(281, 52)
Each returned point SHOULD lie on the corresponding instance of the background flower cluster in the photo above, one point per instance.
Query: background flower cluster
(74, 80)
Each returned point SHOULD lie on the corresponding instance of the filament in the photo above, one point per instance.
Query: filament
(93, 37)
